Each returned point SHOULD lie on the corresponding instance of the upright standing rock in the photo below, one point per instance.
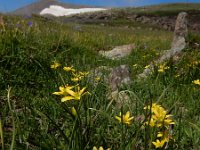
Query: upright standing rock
(178, 44)
(2, 22)
(180, 31)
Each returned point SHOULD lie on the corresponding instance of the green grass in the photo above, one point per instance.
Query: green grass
(33, 118)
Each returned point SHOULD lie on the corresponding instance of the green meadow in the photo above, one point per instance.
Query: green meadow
(163, 111)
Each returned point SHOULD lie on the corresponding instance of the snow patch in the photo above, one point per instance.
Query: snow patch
(61, 11)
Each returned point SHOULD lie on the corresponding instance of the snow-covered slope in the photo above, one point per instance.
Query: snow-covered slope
(61, 11)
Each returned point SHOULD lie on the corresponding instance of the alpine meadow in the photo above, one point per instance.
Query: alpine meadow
(113, 79)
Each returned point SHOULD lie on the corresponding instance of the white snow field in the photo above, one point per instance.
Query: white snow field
(61, 11)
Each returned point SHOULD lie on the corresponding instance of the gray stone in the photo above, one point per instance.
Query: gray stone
(1, 21)
(180, 32)
(118, 77)
(114, 77)
(118, 52)
(121, 98)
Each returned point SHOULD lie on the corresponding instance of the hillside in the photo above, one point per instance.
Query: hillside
(37, 7)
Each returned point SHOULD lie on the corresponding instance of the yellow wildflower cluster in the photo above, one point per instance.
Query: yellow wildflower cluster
(76, 75)
(161, 120)
(126, 119)
(74, 92)
(55, 65)
(159, 116)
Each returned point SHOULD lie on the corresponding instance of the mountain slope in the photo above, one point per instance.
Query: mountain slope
(37, 7)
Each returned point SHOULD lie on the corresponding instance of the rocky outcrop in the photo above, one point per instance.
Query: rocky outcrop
(178, 44)
(118, 52)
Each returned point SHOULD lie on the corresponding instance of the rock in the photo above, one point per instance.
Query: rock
(145, 19)
(116, 77)
(118, 52)
(132, 17)
(2, 26)
(180, 32)
(1, 21)
(121, 98)
(178, 44)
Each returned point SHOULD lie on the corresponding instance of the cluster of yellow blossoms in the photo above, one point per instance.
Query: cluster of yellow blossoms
(158, 119)
(162, 121)
(68, 92)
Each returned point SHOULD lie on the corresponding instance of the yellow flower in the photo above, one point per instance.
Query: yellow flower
(159, 116)
(152, 122)
(69, 94)
(194, 63)
(69, 69)
(83, 73)
(196, 82)
(100, 148)
(63, 90)
(97, 78)
(165, 135)
(147, 66)
(125, 118)
(74, 95)
(74, 112)
(55, 65)
(135, 65)
(162, 68)
(159, 144)
(77, 77)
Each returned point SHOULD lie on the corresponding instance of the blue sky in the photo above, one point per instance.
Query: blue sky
(9, 5)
